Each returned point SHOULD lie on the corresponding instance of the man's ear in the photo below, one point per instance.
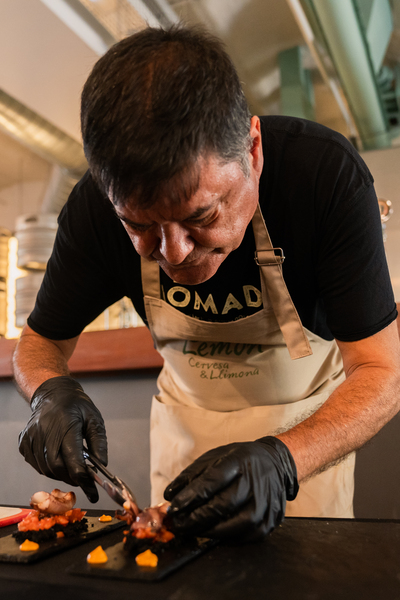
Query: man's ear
(256, 151)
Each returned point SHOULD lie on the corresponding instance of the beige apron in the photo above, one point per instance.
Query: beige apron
(237, 381)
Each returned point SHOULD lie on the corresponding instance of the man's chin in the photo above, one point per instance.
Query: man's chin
(191, 275)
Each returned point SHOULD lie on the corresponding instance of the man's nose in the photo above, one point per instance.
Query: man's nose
(175, 243)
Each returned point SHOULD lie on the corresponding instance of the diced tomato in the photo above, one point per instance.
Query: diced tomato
(35, 521)
(165, 536)
(30, 523)
(47, 523)
(143, 532)
(75, 514)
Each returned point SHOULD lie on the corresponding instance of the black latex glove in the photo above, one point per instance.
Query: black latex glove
(235, 492)
(52, 441)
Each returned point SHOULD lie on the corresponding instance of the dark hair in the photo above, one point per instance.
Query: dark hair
(155, 103)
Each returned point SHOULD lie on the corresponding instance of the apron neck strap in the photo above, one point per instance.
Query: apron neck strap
(150, 277)
(274, 288)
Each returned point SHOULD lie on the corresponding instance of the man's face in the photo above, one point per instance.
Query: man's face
(189, 240)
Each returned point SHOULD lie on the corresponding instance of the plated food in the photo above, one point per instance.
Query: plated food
(148, 529)
(52, 516)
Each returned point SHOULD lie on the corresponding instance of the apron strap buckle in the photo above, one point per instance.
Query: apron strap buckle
(263, 258)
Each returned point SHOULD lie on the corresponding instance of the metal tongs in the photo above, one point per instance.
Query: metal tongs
(113, 485)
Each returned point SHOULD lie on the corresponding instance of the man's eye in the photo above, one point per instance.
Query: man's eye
(201, 220)
(198, 221)
(136, 227)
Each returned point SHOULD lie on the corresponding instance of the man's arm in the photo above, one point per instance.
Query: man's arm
(37, 359)
(63, 416)
(356, 410)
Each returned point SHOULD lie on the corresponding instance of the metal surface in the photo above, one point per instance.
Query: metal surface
(113, 485)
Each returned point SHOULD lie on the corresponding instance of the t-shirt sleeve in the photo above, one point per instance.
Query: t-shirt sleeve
(82, 276)
(352, 271)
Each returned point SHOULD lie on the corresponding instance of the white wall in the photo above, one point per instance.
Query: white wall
(385, 168)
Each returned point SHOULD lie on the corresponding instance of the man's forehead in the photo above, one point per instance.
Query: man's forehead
(179, 189)
(164, 209)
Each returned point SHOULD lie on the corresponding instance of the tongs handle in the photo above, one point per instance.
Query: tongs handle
(117, 489)
(96, 463)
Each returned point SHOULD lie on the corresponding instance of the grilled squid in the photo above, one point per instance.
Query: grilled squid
(151, 518)
(55, 503)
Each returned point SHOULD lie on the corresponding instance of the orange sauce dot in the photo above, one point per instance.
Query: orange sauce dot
(105, 518)
(28, 546)
(147, 559)
(97, 556)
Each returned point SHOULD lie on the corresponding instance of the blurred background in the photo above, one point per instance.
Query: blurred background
(336, 62)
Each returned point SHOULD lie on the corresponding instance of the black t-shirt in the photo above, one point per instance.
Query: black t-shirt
(320, 207)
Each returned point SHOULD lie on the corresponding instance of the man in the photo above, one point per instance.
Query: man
(276, 368)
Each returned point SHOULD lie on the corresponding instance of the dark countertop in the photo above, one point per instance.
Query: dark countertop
(304, 559)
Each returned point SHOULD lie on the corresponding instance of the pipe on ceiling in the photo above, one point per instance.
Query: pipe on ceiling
(333, 85)
(49, 142)
(58, 189)
(32, 130)
(339, 22)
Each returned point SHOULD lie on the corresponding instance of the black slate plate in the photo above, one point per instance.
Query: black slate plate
(10, 552)
(122, 565)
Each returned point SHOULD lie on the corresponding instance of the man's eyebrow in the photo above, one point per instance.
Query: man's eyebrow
(199, 212)
(128, 221)
(122, 218)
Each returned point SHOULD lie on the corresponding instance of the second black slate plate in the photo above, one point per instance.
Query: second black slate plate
(10, 552)
(122, 565)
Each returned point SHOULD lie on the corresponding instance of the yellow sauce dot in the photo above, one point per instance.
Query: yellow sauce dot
(97, 556)
(28, 546)
(105, 518)
(147, 559)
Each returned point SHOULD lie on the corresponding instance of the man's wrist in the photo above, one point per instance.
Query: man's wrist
(281, 452)
(52, 385)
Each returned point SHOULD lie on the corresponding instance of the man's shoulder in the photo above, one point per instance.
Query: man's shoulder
(88, 219)
(87, 210)
(282, 130)
(302, 128)
(308, 148)
(84, 195)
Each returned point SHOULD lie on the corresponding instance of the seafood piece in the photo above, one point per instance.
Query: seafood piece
(149, 529)
(54, 503)
(152, 517)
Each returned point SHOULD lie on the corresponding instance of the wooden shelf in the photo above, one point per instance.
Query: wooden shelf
(98, 352)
